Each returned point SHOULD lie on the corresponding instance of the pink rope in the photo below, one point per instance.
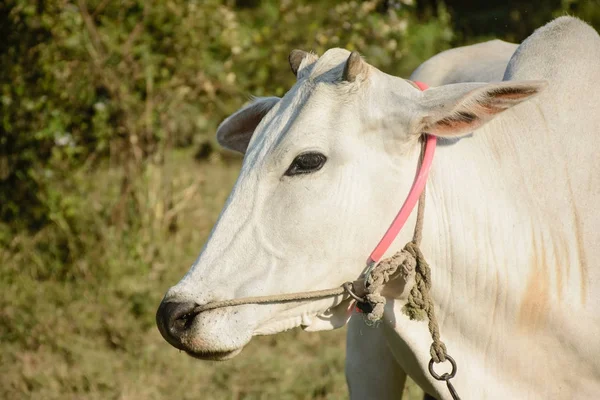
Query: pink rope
(411, 200)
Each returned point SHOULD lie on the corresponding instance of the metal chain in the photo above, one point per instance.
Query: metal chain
(446, 376)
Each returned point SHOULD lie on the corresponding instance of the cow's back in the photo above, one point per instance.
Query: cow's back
(481, 62)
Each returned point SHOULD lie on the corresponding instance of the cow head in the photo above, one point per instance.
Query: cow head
(325, 169)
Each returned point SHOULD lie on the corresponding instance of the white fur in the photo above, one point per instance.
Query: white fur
(511, 223)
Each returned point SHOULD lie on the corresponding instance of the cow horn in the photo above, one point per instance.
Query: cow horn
(295, 59)
(354, 67)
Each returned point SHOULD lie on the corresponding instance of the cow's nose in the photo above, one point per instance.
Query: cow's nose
(174, 319)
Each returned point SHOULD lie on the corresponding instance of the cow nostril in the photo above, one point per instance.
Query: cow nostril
(173, 319)
(184, 322)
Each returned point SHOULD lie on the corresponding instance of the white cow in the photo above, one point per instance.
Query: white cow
(511, 222)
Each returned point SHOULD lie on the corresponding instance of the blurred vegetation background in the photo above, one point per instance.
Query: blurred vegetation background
(110, 179)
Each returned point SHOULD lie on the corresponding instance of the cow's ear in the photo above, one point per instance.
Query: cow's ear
(456, 110)
(236, 131)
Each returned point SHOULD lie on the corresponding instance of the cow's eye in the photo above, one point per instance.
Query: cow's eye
(306, 163)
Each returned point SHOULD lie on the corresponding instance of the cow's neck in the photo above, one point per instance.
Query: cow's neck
(497, 264)
(476, 217)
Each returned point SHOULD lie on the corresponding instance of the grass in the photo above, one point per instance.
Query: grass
(81, 326)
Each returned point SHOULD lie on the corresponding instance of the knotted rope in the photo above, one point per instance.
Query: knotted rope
(409, 260)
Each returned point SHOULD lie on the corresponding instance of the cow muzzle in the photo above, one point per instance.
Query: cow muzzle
(174, 320)
(176, 323)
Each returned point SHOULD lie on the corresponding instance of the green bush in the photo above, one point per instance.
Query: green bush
(89, 82)
(83, 81)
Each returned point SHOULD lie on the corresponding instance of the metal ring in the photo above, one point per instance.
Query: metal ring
(348, 287)
(445, 376)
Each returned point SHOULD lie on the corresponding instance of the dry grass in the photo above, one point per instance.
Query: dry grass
(85, 330)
